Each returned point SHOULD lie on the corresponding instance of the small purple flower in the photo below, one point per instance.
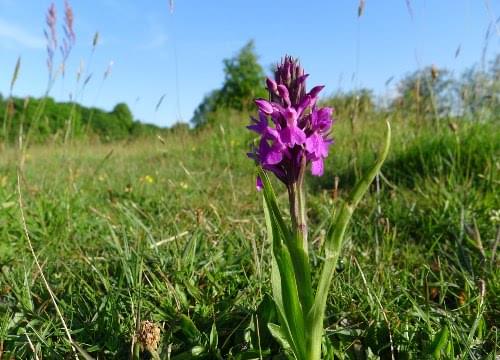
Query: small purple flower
(300, 130)
(291, 134)
(317, 167)
(317, 146)
(259, 126)
(321, 120)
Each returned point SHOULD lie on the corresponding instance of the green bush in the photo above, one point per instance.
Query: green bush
(44, 118)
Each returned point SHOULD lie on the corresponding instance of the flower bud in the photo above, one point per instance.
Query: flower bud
(316, 90)
(264, 106)
(284, 94)
(271, 85)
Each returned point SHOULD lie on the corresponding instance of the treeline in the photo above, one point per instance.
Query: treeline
(428, 94)
(44, 119)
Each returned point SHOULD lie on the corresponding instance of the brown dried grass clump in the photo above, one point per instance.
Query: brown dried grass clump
(149, 335)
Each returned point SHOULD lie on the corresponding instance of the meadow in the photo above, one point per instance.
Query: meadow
(125, 240)
(170, 230)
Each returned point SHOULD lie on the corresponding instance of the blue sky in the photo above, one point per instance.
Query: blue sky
(179, 54)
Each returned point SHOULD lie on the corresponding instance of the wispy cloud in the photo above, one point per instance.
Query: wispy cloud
(13, 35)
(155, 37)
(157, 42)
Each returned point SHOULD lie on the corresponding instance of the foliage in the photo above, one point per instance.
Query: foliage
(243, 79)
(243, 82)
(44, 119)
(180, 127)
(351, 105)
(480, 91)
(147, 231)
(429, 94)
(203, 114)
(426, 94)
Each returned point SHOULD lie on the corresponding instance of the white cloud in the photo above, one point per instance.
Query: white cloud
(155, 35)
(12, 34)
(157, 42)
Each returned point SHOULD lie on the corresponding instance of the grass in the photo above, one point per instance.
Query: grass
(418, 277)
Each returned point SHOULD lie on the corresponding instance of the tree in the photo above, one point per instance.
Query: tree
(356, 104)
(479, 91)
(122, 112)
(427, 93)
(495, 86)
(244, 79)
(243, 82)
(179, 128)
(207, 106)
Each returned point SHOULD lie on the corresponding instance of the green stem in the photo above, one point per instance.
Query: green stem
(299, 247)
(298, 214)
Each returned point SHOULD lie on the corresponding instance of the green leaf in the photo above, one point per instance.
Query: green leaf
(291, 303)
(82, 352)
(293, 241)
(186, 355)
(214, 337)
(7, 204)
(189, 328)
(284, 283)
(189, 252)
(279, 335)
(252, 354)
(439, 342)
(274, 211)
(273, 232)
(266, 313)
(275, 275)
(334, 240)
(198, 350)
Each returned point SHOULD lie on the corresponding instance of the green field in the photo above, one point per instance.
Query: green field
(171, 230)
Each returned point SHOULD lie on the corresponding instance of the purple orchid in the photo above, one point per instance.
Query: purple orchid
(301, 129)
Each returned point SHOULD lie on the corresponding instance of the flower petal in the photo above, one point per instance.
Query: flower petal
(264, 106)
(259, 126)
(274, 156)
(304, 103)
(290, 115)
(321, 120)
(270, 155)
(317, 146)
(317, 167)
(292, 135)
